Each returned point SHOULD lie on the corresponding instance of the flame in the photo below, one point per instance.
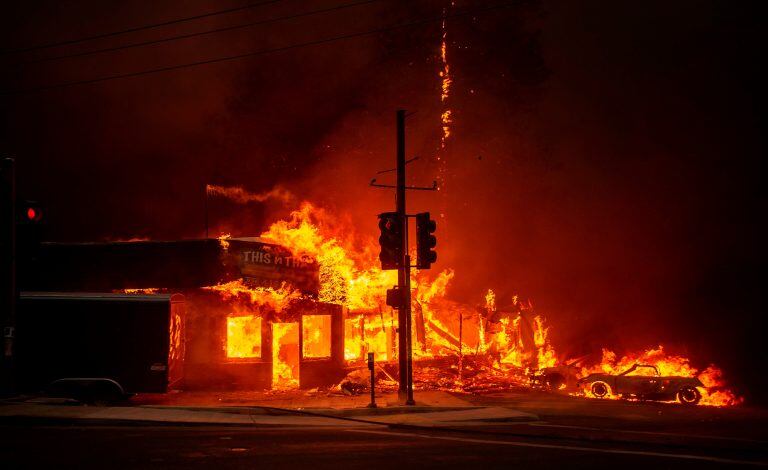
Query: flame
(353, 280)
(713, 393)
(224, 241)
(490, 301)
(243, 336)
(316, 336)
(259, 297)
(492, 346)
(285, 356)
(545, 354)
(146, 290)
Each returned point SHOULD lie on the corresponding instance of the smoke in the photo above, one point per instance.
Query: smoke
(240, 196)
(607, 170)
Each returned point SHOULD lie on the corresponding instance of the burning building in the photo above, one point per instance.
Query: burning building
(303, 304)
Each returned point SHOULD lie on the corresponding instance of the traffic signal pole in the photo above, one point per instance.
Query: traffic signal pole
(405, 391)
(394, 255)
(8, 266)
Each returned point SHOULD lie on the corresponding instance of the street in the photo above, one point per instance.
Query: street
(572, 433)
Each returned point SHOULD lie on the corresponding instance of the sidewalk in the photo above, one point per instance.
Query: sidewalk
(433, 409)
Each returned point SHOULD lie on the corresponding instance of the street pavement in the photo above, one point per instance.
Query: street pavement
(502, 430)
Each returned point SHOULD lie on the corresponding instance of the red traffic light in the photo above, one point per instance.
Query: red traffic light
(28, 212)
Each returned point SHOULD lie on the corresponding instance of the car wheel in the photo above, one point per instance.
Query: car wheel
(688, 395)
(600, 389)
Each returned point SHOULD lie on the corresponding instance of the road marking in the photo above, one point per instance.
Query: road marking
(573, 448)
(671, 434)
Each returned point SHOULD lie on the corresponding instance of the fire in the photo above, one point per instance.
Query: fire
(353, 280)
(492, 345)
(285, 356)
(713, 393)
(146, 290)
(275, 299)
(545, 354)
(243, 336)
(316, 336)
(224, 241)
(490, 300)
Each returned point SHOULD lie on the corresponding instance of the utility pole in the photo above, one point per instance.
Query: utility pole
(405, 391)
(394, 255)
(9, 295)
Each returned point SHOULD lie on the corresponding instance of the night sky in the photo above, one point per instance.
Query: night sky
(607, 158)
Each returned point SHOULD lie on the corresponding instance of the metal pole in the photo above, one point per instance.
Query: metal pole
(409, 336)
(206, 210)
(405, 391)
(372, 404)
(8, 267)
(461, 347)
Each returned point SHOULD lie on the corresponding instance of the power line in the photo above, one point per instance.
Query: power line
(260, 52)
(201, 33)
(139, 28)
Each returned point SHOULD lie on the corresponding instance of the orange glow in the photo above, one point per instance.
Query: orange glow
(316, 336)
(285, 356)
(713, 393)
(499, 345)
(243, 336)
(224, 241)
(147, 290)
(275, 299)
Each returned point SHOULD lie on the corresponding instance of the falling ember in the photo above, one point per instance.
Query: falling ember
(446, 80)
(445, 83)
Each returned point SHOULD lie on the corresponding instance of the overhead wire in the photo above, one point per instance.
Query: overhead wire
(262, 51)
(139, 28)
(201, 33)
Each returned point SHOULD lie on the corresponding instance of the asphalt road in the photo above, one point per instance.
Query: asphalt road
(571, 434)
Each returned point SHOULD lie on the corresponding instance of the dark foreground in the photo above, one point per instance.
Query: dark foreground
(570, 434)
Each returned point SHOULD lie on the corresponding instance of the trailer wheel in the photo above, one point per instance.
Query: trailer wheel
(600, 389)
(87, 390)
(688, 395)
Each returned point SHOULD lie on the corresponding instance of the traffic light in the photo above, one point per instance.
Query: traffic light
(394, 298)
(29, 227)
(29, 212)
(391, 240)
(425, 241)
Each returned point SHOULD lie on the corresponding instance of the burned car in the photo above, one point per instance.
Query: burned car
(644, 387)
(562, 377)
